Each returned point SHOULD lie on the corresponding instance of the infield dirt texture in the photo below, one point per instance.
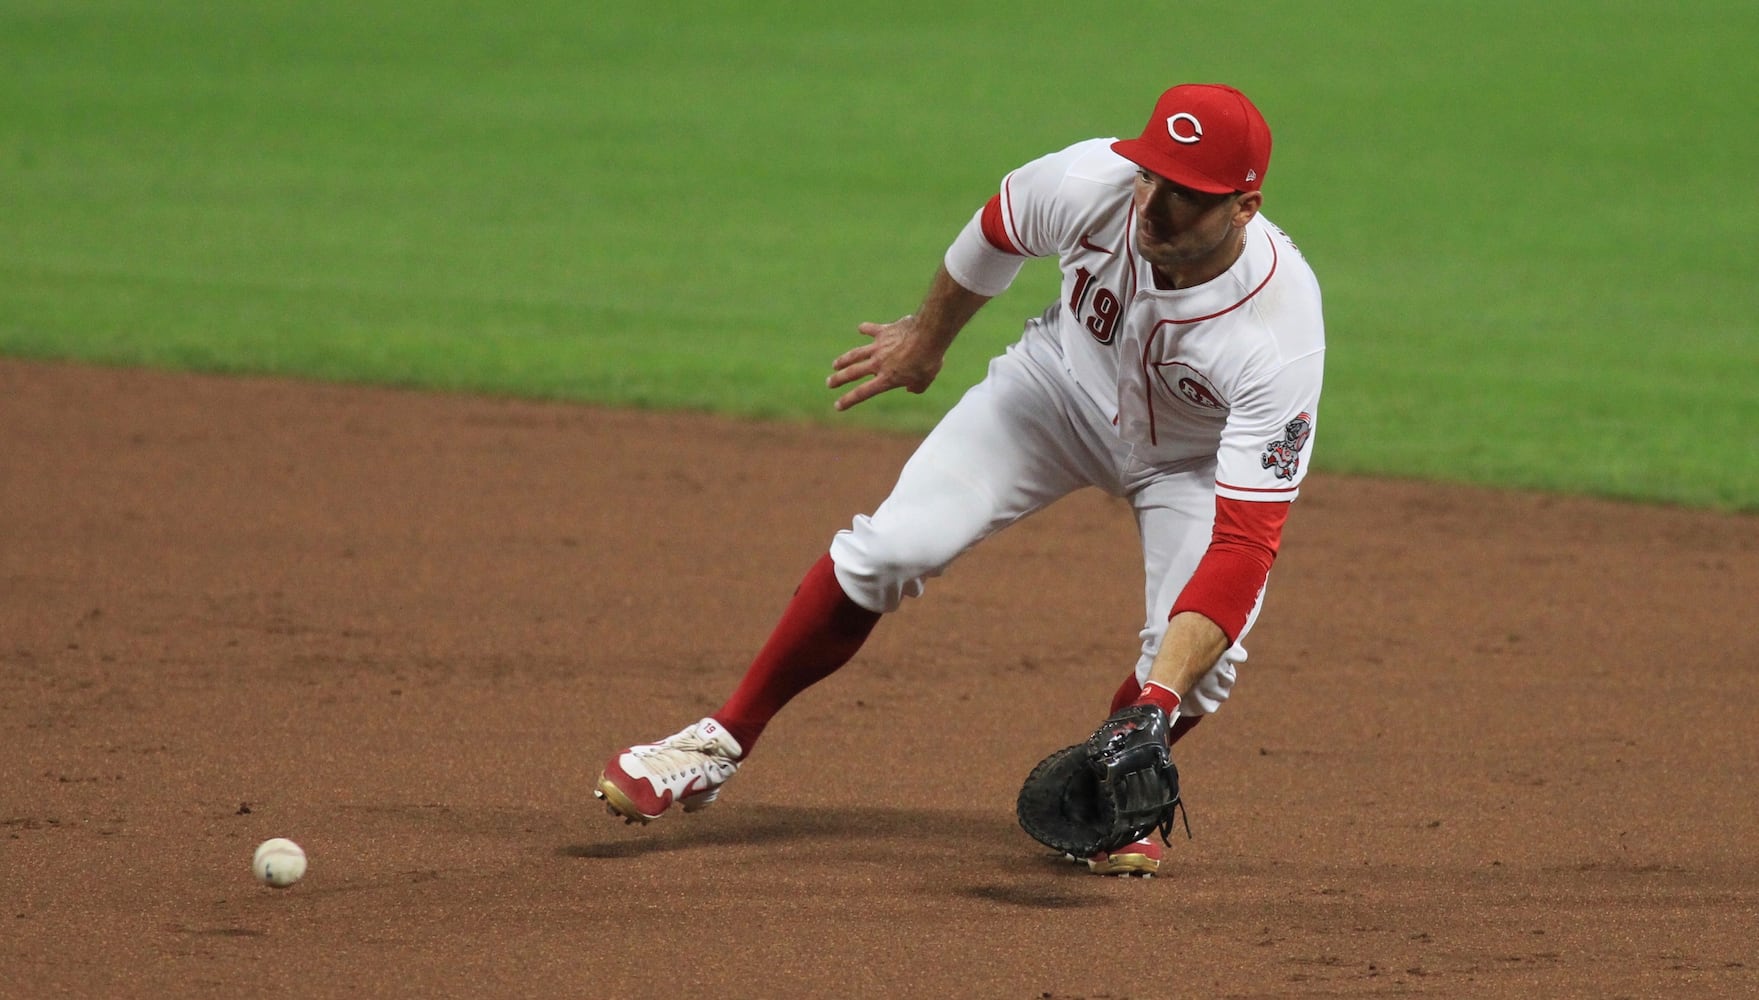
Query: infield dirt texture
(1489, 744)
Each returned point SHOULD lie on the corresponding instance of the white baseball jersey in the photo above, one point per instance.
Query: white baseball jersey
(1197, 405)
(1230, 369)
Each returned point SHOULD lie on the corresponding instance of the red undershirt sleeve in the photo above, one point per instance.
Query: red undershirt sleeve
(995, 228)
(1232, 572)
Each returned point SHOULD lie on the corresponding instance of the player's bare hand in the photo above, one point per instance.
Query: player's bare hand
(900, 356)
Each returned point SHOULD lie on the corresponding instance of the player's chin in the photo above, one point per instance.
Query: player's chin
(1159, 252)
(1157, 249)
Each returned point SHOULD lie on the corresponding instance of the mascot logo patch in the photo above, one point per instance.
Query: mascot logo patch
(1284, 456)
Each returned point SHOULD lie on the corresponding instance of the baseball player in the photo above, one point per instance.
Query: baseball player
(1179, 368)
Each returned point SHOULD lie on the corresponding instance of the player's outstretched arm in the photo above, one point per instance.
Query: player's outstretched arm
(1190, 647)
(906, 353)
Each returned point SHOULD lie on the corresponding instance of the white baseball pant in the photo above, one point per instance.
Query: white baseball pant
(1022, 438)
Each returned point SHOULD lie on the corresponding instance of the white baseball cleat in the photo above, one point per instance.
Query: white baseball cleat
(689, 767)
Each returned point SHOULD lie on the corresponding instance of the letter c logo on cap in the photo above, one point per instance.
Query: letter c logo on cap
(1192, 131)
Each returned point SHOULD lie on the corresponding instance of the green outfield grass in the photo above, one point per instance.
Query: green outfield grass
(1532, 221)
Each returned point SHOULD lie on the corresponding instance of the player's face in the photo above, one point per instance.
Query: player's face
(1181, 229)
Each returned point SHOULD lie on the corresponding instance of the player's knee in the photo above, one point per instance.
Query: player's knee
(878, 573)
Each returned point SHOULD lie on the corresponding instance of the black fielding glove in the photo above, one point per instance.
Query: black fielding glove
(1133, 768)
(1107, 792)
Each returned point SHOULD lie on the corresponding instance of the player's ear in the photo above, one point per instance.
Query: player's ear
(1246, 207)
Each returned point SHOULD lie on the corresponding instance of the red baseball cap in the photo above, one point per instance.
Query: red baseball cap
(1206, 136)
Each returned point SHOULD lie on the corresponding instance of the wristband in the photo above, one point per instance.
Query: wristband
(1155, 693)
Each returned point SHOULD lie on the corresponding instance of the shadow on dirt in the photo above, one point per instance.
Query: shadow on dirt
(929, 830)
(936, 846)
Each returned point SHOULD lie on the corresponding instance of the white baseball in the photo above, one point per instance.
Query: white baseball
(278, 862)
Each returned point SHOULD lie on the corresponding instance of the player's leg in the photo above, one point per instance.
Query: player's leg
(997, 456)
(1004, 451)
(820, 630)
(1175, 516)
(1018, 441)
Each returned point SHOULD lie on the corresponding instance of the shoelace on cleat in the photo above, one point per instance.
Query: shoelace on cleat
(680, 755)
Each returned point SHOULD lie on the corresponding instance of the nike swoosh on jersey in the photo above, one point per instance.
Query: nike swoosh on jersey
(1088, 245)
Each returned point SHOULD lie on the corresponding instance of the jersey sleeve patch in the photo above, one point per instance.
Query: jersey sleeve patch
(1283, 455)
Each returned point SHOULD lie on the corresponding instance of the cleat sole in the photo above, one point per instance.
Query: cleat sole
(1126, 865)
(618, 804)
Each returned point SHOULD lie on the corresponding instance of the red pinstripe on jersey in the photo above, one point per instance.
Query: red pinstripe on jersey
(1257, 489)
(1231, 574)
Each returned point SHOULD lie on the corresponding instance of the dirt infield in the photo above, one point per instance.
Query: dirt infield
(1488, 744)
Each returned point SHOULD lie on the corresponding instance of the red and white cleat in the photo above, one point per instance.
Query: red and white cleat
(688, 768)
(1141, 858)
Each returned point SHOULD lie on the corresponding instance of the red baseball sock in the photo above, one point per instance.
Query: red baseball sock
(1126, 694)
(1182, 725)
(819, 632)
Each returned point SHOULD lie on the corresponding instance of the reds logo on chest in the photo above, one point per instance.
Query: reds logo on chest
(1188, 384)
